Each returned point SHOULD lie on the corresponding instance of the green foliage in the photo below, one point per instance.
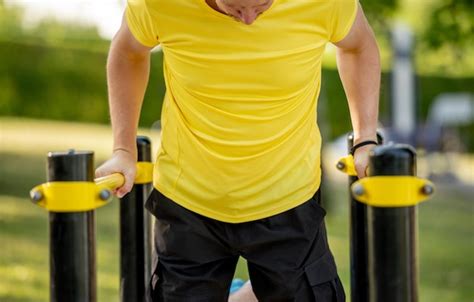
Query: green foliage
(63, 84)
(52, 83)
(48, 31)
(335, 110)
(449, 36)
(70, 84)
(451, 23)
(71, 35)
(379, 13)
(443, 29)
(57, 70)
(10, 21)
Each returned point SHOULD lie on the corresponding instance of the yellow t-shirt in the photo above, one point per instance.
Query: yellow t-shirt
(239, 135)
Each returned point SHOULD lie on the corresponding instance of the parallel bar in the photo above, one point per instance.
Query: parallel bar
(358, 242)
(358, 239)
(392, 233)
(135, 237)
(72, 235)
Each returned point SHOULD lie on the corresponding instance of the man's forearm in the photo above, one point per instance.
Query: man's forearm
(359, 70)
(127, 79)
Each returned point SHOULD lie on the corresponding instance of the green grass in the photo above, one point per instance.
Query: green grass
(447, 247)
(446, 241)
(446, 232)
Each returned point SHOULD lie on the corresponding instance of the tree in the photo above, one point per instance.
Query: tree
(48, 32)
(379, 12)
(10, 21)
(451, 25)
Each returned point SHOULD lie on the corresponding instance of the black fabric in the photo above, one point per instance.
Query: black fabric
(287, 255)
(323, 279)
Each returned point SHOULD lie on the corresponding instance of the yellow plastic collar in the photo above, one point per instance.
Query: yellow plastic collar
(144, 173)
(392, 191)
(70, 196)
(80, 196)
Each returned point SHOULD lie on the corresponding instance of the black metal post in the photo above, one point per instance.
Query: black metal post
(358, 239)
(392, 233)
(135, 236)
(72, 235)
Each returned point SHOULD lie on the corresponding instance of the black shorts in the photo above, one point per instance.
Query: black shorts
(287, 255)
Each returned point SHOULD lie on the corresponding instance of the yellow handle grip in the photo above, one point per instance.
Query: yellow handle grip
(116, 180)
(111, 182)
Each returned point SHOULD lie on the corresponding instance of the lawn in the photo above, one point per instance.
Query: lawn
(446, 224)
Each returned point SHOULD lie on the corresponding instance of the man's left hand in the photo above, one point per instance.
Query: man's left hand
(361, 160)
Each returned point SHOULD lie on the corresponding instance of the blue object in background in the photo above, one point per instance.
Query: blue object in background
(236, 285)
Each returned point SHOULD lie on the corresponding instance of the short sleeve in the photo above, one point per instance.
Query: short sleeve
(343, 16)
(141, 23)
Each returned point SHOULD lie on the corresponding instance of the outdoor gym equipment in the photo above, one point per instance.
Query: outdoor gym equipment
(384, 264)
(384, 259)
(358, 229)
(71, 196)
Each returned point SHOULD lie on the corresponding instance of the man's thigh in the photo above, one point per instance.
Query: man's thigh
(194, 262)
(289, 258)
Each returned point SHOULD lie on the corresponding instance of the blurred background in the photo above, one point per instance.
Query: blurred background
(53, 97)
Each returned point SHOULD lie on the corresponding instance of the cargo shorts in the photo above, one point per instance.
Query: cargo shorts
(287, 255)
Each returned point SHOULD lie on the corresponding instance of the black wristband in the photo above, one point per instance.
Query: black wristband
(364, 143)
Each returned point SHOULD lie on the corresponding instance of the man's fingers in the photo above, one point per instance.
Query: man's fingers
(99, 172)
(361, 161)
(104, 170)
(121, 191)
(360, 173)
(127, 186)
(361, 170)
(119, 163)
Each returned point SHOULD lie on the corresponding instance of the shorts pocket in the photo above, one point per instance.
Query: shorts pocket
(323, 280)
(153, 292)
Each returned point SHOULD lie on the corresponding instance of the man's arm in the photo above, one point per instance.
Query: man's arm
(358, 62)
(128, 68)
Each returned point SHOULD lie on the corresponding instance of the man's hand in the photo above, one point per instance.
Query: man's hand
(123, 162)
(361, 160)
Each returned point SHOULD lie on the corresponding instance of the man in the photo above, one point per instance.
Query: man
(238, 171)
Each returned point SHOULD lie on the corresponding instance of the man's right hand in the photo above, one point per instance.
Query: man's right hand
(122, 161)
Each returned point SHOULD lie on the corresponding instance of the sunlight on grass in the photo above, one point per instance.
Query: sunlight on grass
(10, 292)
(16, 208)
(24, 258)
(29, 136)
